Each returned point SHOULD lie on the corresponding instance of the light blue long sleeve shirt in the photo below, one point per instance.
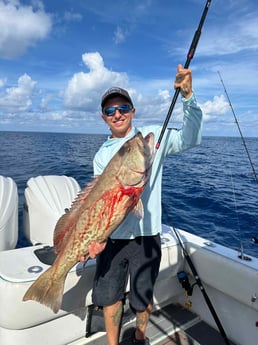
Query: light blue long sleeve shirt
(173, 141)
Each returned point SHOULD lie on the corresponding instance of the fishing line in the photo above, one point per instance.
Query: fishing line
(235, 206)
(241, 238)
(239, 129)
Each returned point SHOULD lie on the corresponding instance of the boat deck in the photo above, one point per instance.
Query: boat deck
(175, 325)
(171, 325)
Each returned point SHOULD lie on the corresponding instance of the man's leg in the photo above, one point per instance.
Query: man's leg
(112, 316)
(144, 269)
(142, 319)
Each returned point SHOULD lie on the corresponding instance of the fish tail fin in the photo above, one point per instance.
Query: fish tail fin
(47, 290)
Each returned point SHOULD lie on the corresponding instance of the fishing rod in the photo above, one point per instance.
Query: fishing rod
(190, 56)
(203, 291)
(238, 126)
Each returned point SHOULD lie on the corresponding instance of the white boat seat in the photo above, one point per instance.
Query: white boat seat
(8, 213)
(46, 198)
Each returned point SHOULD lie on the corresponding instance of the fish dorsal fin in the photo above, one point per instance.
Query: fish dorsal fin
(64, 225)
(83, 194)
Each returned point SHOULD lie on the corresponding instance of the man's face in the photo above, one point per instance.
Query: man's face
(120, 124)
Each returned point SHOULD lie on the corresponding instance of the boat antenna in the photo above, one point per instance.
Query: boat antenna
(238, 126)
(203, 291)
(190, 55)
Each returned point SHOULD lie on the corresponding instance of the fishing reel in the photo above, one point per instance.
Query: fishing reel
(184, 281)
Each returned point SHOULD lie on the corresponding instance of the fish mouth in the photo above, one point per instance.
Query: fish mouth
(142, 178)
(142, 172)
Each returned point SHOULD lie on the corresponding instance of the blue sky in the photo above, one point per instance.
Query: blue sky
(58, 57)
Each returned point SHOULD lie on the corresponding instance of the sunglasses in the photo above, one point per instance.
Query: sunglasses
(123, 109)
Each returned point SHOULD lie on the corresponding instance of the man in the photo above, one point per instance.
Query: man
(134, 247)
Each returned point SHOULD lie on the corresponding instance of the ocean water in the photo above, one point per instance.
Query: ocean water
(209, 190)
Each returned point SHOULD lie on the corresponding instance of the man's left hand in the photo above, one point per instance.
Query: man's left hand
(184, 81)
(94, 249)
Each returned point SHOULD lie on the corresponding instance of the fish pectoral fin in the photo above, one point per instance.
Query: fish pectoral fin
(138, 209)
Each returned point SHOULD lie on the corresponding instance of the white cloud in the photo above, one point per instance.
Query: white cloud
(215, 107)
(81, 100)
(72, 17)
(21, 27)
(119, 36)
(18, 99)
(84, 90)
(236, 36)
(2, 82)
(45, 101)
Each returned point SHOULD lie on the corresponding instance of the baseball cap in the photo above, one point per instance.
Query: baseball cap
(113, 92)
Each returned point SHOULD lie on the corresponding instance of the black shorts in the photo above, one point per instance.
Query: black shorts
(140, 259)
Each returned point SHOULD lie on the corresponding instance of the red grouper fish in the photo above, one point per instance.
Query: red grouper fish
(95, 213)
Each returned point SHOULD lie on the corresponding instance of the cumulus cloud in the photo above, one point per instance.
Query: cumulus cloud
(19, 98)
(45, 101)
(81, 100)
(217, 106)
(84, 89)
(21, 26)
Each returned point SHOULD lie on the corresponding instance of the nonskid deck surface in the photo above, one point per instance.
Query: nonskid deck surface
(171, 325)
(175, 325)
